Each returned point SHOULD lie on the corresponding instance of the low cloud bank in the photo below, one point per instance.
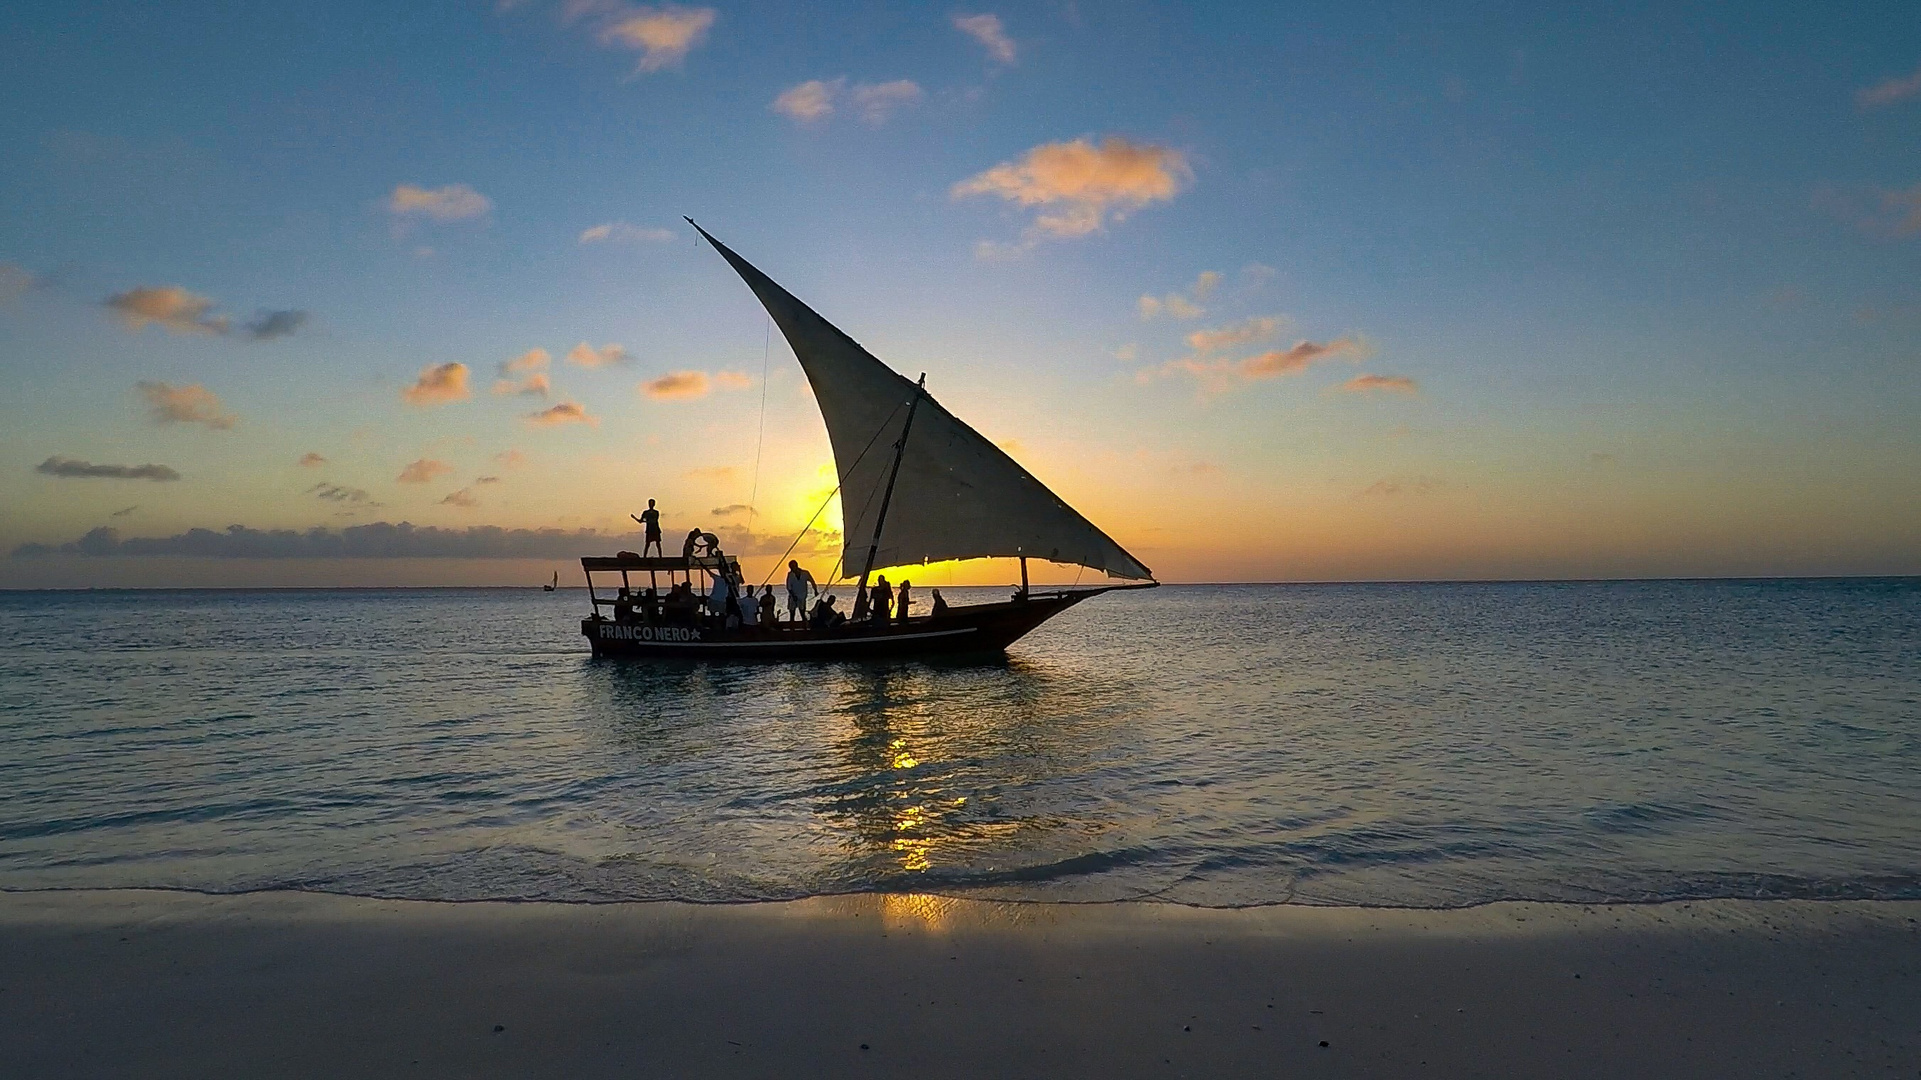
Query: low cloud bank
(386, 540)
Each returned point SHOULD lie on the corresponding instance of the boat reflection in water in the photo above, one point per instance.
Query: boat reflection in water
(905, 777)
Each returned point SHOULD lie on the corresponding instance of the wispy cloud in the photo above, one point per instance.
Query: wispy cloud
(535, 384)
(125, 511)
(194, 404)
(169, 307)
(422, 471)
(311, 460)
(1077, 187)
(687, 385)
(715, 473)
(336, 493)
(620, 232)
(463, 498)
(273, 324)
(1219, 374)
(454, 202)
(876, 102)
(810, 101)
(1388, 384)
(73, 468)
(1882, 214)
(987, 30)
(663, 36)
(511, 458)
(486, 479)
(1182, 305)
(438, 385)
(567, 412)
(730, 510)
(607, 355)
(1245, 332)
(525, 374)
(1889, 91)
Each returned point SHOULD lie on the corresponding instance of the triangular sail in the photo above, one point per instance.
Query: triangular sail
(958, 497)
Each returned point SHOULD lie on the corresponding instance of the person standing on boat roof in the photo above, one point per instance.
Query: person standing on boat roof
(650, 522)
(900, 607)
(798, 583)
(881, 599)
(693, 541)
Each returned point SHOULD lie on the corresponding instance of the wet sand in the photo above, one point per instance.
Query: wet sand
(159, 984)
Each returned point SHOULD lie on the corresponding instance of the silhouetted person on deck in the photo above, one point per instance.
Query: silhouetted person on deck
(940, 604)
(769, 607)
(825, 617)
(623, 606)
(903, 603)
(798, 583)
(650, 605)
(650, 522)
(881, 599)
(693, 541)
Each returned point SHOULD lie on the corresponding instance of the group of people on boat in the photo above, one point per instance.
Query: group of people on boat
(731, 603)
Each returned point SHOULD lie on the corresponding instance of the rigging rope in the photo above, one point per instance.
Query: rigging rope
(760, 440)
(830, 498)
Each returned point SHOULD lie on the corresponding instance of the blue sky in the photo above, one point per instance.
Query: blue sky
(1639, 285)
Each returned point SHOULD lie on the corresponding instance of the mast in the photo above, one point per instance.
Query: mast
(900, 449)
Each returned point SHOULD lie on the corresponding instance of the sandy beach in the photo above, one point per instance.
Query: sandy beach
(158, 984)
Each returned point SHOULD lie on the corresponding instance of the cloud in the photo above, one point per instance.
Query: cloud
(195, 404)
(567, 412)
(730, 510)
(1218, 375)
(877, 102)
(169, 307)
(1391, 384)
(272, 324)
(733, 380)
(379, 540)
(1881, 214)
(1079, 186)
(677, 385)
(1245, 332)
(1902, 210)
(437, 385)
(486, 479)
(511, 458)
(1128, 353)
(810, 101)
(311, 460)
(607, 355)
(15, 281)
(1182, 306)
(664, 35)
(72, 468)
(619, 232)
(987, 30)
(534, 385)
(1889, 91)
(454, 202)
(125, 510)
(423, 470)
(532, 360)
(1419, 485)
(335, 493)
(463, 498)
(716, 473)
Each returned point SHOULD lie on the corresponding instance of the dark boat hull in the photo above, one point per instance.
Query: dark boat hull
(977, 629)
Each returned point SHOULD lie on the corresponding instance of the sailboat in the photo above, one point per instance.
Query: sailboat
(917, 485)
(551, 586)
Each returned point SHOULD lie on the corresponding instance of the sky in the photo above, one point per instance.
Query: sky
(374, 294)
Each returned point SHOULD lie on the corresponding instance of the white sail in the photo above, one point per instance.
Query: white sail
(958, 496)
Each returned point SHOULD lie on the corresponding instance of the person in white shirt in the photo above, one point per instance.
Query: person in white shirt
(749, 609)
(798, 583)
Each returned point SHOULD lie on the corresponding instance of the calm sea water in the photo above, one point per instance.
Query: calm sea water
(1374, 744)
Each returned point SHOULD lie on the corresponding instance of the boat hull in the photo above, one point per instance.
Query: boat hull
(977, 629)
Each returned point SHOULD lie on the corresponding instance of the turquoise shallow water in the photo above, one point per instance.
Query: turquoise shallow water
(1421, 745)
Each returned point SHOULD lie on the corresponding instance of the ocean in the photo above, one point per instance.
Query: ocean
(1426, 745)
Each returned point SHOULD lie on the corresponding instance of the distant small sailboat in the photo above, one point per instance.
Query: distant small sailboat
(555, 584)
(945, 493)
